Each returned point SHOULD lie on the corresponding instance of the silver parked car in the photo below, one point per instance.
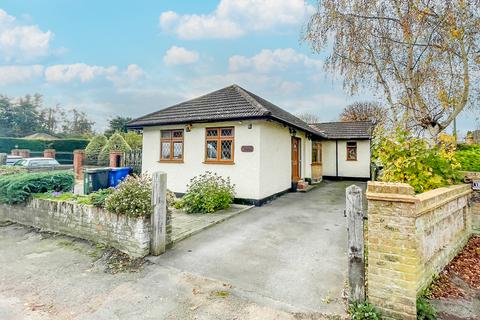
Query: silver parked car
(37, 163)
(11, 160)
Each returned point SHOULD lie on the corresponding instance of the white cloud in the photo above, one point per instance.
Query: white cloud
(19, 74)
(178, 55)
(22, 42)
(77, 71)
(130, 75)
(273, 60)
(233, 18)
(168, 19)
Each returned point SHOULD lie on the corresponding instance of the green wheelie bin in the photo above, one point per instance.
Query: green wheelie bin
(95, 179)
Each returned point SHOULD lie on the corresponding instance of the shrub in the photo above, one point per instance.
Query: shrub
(207, 193)
(17, 188)
(99, 197)
(115, 143)
(94, 148)
(363, 311)
(61, 145)
(8, 170)
(411, 160)
(469, 157)
(133, 139)
(425, 311)
(171, 198)
(132, 197)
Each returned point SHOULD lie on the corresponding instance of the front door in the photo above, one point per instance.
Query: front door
(295, 159)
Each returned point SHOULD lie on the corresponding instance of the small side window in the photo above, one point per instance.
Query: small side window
(316, 153)
(351, 151)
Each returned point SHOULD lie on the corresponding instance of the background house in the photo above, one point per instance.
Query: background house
(236, 134)
(346, 150)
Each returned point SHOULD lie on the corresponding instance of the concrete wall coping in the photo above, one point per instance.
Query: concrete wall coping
(390, 191)
(402, 192)
(436, 198)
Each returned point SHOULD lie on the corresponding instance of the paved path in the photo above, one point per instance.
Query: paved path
(292, 250)
(186, 225)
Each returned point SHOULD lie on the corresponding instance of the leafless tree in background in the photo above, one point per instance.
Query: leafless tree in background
(308, 117)
(364, 111)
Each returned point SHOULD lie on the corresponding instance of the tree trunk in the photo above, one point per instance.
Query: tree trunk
(431, 135)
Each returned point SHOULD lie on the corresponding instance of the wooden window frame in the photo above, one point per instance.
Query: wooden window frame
(319, 152)
(219, 138)
(352, 147)
(172, 140)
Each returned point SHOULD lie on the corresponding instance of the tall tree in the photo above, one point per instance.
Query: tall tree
(6, 117)
(364, 111)
(117, 124)
(308, 117)
(76, 124)
(21, 117)
(423, 55)
(52, 119)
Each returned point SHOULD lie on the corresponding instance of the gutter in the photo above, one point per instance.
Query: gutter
(336, 158)
(264, 117)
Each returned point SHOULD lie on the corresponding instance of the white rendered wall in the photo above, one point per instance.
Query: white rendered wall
(256, 175)
(244, 173)
(355, 169)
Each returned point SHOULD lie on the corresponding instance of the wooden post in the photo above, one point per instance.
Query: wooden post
(356, 256)
(159, 215)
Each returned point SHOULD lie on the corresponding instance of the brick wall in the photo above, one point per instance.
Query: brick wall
(410, 239)
(130, 235)
(475, 208)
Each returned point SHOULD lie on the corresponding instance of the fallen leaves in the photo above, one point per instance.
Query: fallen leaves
(465, 266)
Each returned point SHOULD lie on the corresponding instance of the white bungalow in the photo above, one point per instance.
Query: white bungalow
(261, 147)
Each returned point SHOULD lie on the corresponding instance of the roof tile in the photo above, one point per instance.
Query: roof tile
(229, 103)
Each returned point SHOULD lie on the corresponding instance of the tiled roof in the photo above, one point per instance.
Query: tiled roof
(345, 130)
(230, 103)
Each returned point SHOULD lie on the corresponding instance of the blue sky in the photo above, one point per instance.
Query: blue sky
(129, 58)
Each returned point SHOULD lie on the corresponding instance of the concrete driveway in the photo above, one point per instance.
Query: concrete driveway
(291, 252)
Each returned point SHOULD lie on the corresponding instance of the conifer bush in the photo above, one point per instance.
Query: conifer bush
(115, 143)
(93, 149)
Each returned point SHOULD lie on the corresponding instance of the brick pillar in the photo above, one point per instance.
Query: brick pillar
(14, 152)
(394, 257)
(116, 159)
(24, 153)
(78, 161)
(49, 153)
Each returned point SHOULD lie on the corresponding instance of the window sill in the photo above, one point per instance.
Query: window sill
(170, 161)
(218, 162)
(316, 163)
(351, 160)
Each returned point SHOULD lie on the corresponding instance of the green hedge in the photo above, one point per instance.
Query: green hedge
(63, 145)
(17, 188)
(469, 157)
